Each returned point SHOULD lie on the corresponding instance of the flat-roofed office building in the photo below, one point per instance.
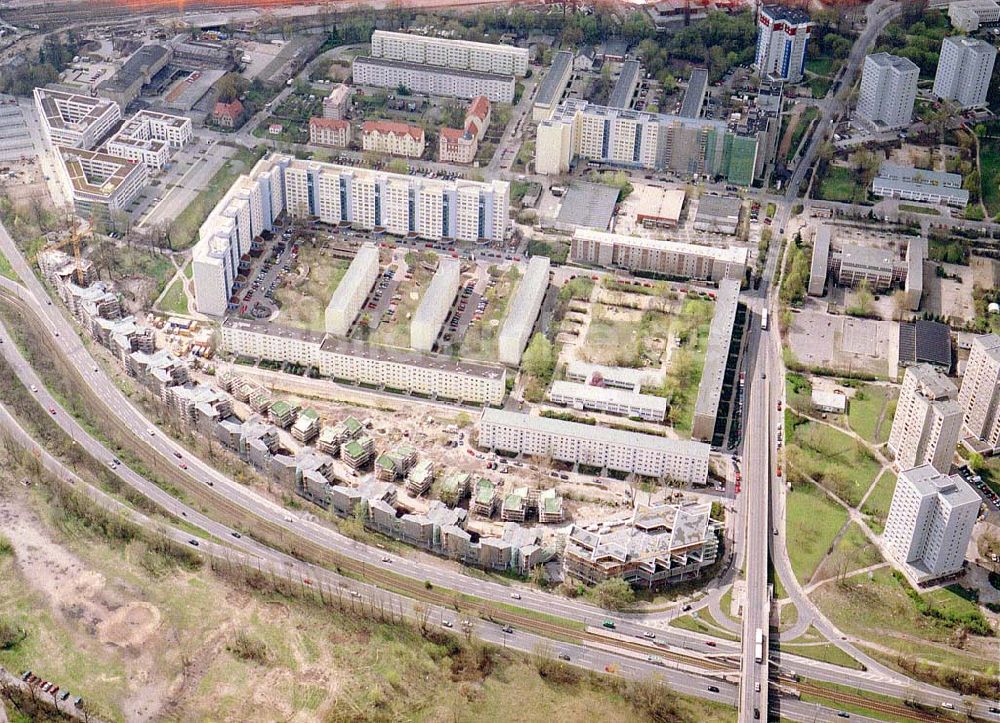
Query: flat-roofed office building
(432, 80)
(72, 120)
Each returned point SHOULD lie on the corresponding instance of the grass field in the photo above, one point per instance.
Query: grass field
(174, 301)
(184, 229)
(877, 504)
(852, 552)
(6, 269)
(841, 464)
(840, 184)
(906, 207)
(802, 125)
(396, 332)
(870, 413)
(813, 521)
(989, 164)
(699, 625)
(303, 303)
(828, 653)
(480, 340)
(880, 610)
(798, 392)
(688, 362)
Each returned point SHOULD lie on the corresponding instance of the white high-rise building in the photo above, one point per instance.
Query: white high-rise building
(349, 296)
(964, 70)
(400, 204)
(928, 420)
(782, 35)
(930, 522)
(888, 89)
(448, 53)
(980, 394)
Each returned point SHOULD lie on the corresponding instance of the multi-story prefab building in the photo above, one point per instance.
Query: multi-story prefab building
(930, 522)
(439, 377)
(553, 85)
(623, 402)
(523, 311)
(434, 307)
(928, 420)
(637, 139)
(400, 204)
(782, 35)
(670, 258)
(720, 337)
(432, 80)
(979, 397)
(968, 15)
(888, 90)
(351, 292)
(447, 53)
(601, 447)
(964, 71)
(74, 121)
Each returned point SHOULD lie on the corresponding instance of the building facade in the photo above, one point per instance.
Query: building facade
(74, 121)
(436, 304)
(964, 70)
(329, 132)
(522, 311)
(979, 396)
(99, 184)
(397, 139)
(646, 407)
(782, 36)
(928, 420)
(432, 80)
(636, 139)
(448, 53)
(930, 522)
(349, 296)
(968, 15)
(888, 90)
(679, 260)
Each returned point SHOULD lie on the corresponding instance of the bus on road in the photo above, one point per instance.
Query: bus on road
(763, 320)
(759, 646)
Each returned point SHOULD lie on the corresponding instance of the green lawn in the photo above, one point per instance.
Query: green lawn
(688, 362)
(813, 521)
(840, 184)
(877, 504)
(870, 413)
(174, 301)
(6, 269)
(189, 270)
(989, 163)
(820, 86)
(697, 625)
(840, 463)
(852, 552)
(819, 66)
(828, 653)
(184, 229)
(919, 209)
(798, 392)
(801, 126)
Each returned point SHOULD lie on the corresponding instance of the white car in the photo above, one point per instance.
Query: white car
(151, 431)
(515, 596)
(34, 389)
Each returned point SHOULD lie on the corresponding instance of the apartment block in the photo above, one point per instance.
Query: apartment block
(420, 478)
(964, 70)
(329, 132)
(928, 420)
(782, 35)
(437, 376)
(400, 204)
(397, 139)
(930, 522)
(670, 258)
(432, 80)
(637, 139)
(306, 427)
(600, 447)
(485, 497)
(337, 104)
(353, 289)
(522, 311)
(888, 91)
(553, 85)
(582, 397)
(979, 396)
(456, 145)
(713, 376)
(435, 304)
(448, 53)
(74, 121)
(282, 414)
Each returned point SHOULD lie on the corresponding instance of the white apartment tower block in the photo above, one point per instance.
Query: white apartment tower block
(928, 420)
(980, 394)
(888, 90)
(964, 70)
(930, 522)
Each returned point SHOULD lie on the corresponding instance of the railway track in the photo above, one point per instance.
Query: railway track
(844, 697)
(271, 533)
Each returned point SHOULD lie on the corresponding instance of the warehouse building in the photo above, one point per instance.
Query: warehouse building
(612, 449)
(553, 85)
(669, 258)
(399, 204)
(432, 80)
(623, 402)
(379, 367)
(522, 311)
(434, 307)
(448, 53)
(351, 292)
(657, 207)
(718, 214)
(713, 375)
(74, 121)
(125, 85)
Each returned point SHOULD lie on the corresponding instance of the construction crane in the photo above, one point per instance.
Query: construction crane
(74, 238)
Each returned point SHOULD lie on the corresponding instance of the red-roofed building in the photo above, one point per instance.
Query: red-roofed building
(329, 132)
(456, 146)
(398, 139)
(478, 115)
(228, 115)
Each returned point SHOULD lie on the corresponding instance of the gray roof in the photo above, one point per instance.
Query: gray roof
(720, 336)
(820, 261)
(885, 60)
(552, 84)
(920, 176)
(925, 341)
(590, 205)
(712, 207)
(694, 96)
(926, 480)
(795, 16)
(135, 67)
(621, 95)
(437, 69)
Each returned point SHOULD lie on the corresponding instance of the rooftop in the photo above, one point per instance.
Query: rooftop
(552, 82)
(94, 173)
(414, 37)
(731, 254)
(926, 480)
(934, 384)
(694, 96)
(621, 94)
(136, 67)
(867, 256)
(923, 177)
(711, 207)
(653, 202)
(886, 60)
(426, 68)
(590, 205)
(720, 336)
(329, 123)
(925, 341)
(791, 15)
(393, 128)
(589, 392)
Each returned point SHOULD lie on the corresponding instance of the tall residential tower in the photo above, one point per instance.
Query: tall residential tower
(888, 89)
(928, 420)
(782, 35)
(964, 71)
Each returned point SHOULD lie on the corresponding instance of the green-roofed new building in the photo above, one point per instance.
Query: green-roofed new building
(550, 507)
(306, 426)
(484, 501)
(283, 414)
(356, 453)
(454, 487)
(420, 478)
(515, 506)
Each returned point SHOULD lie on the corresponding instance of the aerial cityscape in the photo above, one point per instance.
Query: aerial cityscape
(493, 361)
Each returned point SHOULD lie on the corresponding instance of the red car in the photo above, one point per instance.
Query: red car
(52, 410)
(183, 466)
(779, 470)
